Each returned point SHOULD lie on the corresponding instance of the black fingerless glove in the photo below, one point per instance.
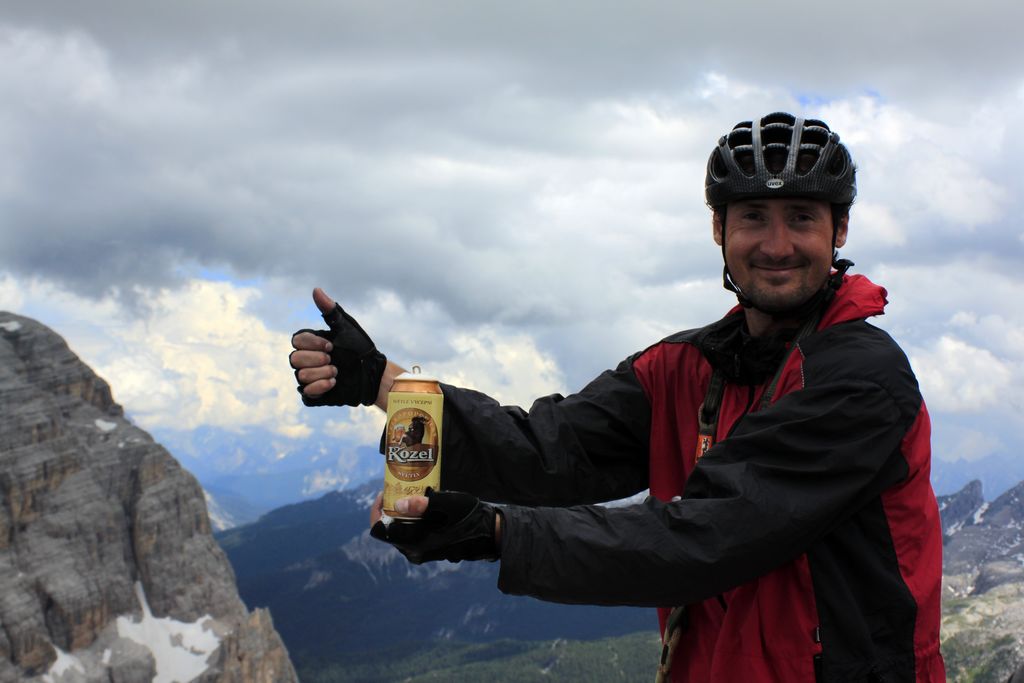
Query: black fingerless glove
(360, 365)
(455, 527)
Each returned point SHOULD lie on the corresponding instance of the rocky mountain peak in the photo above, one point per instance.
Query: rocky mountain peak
(959, 508)
(104, 537)
(1007, 511)
(983, 544)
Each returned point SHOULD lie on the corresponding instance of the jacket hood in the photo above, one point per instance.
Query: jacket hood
(858, 298)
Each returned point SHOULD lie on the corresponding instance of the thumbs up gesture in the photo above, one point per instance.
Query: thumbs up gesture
(338, 366)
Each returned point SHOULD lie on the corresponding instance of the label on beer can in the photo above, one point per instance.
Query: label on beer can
(412, 446)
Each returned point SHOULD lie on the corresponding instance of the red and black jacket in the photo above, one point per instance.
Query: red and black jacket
(805, 543)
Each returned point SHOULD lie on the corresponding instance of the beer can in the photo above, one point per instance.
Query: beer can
(412, 438)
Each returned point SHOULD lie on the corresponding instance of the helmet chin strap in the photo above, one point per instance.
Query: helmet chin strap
(821, 297)
(733, 287)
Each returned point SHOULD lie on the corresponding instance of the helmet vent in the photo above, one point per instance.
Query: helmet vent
(815, 135)
(777, 133)
(717, 168)
(744, 156)
(775, 155)
(808, 157)
(778, 117)
(741, 144)
(739, 137)
(839, 163)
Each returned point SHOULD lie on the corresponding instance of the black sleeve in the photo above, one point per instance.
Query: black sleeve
(786, 476)
(584, 448)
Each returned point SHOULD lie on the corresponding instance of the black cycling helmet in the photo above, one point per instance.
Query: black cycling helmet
(781, 155)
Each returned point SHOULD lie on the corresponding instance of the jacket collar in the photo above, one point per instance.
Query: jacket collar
(858, 298)
(750, 360)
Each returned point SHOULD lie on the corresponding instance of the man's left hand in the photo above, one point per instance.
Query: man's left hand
(450, 526)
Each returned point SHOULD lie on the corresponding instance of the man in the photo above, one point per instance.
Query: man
(791, 533)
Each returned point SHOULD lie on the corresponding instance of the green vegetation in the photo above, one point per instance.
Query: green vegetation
(972, 658)
(628, 658)
(981, 635)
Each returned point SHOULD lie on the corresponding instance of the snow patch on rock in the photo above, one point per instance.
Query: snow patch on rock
(219, 519)
(105, 426)
(64, 663)
(980, 514)
(474, 612)
(367, 500)
(10, 326)
(316, 578)
(179, 649)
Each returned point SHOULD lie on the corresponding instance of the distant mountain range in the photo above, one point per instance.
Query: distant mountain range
(251, 473)
(996, 473)
(333, 589)
(240, 496)
(338, 596)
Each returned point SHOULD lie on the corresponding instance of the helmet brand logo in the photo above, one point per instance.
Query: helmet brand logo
(775, 183)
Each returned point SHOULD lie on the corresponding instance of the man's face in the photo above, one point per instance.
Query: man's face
(779, 251)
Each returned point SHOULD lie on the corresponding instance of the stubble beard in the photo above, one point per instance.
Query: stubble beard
(776, 301)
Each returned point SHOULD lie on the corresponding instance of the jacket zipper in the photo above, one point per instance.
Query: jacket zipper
(818, 674)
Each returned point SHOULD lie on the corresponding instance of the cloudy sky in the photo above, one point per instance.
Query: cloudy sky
(510, 195)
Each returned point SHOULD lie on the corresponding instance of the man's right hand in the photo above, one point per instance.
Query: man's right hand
(337, 366)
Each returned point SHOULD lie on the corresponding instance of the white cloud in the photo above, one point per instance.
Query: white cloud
(362, 424)
(930, 172)
(322, 481)
(967, 299)
(198, 357)
(12, 296)
(961, 378)
(226, 367)
(958, 442)
(512, 199)
(504, 365)
(194, 356)
(71, 65)
(1004, 333)
(876, 223)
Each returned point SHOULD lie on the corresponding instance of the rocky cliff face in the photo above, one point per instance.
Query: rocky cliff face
(983, 583)
(984, 542)
(108, 569)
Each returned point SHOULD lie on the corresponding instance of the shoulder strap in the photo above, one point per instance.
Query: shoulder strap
(809, 326)
(707, 415)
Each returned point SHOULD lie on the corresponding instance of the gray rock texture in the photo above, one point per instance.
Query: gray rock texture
(90, 508)
(957, 509)
(983, 585)
(984, 542)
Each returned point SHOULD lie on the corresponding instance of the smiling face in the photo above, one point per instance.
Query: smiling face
(779, 251)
